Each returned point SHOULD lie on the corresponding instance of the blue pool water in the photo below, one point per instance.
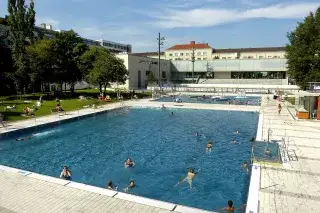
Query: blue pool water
(162, 146)
(247, 100)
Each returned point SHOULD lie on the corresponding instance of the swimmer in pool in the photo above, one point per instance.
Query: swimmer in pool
(171, 114)
(129, 163)
(24, 139)
(229, 208)
(252, 139)
(163, 107)
(268, 152)
(190, 175)
(197, 134)
(110, 186)
(245, 166)
(234, 141)
(66, 173)
(130, 186)
(209, 146)
(237, 132)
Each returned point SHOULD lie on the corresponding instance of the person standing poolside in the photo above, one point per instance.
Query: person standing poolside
(229, 208)
(66, 173)
(279, 108)
(1, 120)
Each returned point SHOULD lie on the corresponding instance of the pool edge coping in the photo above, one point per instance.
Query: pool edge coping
(106, 192)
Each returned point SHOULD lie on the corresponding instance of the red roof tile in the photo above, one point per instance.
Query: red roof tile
(189, 46)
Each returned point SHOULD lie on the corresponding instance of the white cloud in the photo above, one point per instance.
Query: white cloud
(185, 3)
(212, 17)
(55, 23)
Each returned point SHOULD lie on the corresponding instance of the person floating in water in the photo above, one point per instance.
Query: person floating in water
(234, 141)
(268, 152)
(237, 132)
(110, 186)
(229, 208)
(130, 186)
(245, 166)
(66, 173)
(24, 139)
(190, 175)
(129, 163)
(209, 146)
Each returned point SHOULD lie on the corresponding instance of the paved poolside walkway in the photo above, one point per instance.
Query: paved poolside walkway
(295, 186)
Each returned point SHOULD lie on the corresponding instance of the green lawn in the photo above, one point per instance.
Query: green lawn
(45, 109)
(69, 102)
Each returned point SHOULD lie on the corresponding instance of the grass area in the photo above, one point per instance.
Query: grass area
(45, 109)
(290, 100)
(69, 102)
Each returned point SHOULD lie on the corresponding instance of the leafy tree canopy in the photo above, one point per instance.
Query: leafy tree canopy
(303, 50)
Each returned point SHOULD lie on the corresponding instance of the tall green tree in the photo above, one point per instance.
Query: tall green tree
(103, 67)
(21, 20)
(41, 62)
(68, 49)
(303, 51)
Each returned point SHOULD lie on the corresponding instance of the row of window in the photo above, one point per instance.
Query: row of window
(188, 54)
(106, 44)
(258, 75)
(188, 59)
(217, 57)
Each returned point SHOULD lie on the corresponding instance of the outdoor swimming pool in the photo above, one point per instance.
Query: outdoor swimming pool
(245, 100)
(162, 146)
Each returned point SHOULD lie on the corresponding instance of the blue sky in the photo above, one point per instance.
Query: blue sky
(221, 23)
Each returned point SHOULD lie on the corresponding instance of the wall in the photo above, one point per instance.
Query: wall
(231, 65)
(135, 64)
(222, 75)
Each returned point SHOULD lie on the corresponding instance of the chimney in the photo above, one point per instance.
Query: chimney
(192, 42)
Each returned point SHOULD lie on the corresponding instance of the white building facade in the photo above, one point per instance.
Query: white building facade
(225, 66)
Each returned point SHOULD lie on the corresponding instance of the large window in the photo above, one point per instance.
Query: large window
(164, 74)
(258, 75)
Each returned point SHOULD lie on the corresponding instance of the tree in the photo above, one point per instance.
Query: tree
(41, 61)
(21, 20)
(303, 51)
(103, 67)
(68, 49)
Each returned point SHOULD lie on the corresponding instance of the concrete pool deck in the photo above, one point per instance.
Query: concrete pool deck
(294, 186)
